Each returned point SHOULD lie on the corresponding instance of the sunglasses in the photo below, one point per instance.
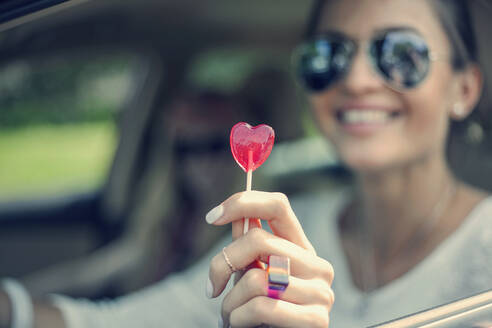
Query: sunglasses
(400, 57)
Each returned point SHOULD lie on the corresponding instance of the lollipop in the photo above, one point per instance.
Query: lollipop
(250, 147)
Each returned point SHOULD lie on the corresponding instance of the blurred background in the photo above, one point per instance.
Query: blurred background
(114, 133)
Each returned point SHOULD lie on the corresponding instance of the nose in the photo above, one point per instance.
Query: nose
(361, 78)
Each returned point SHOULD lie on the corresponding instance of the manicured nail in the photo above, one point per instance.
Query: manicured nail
(221, 323)
(214, 214)
(210, 289)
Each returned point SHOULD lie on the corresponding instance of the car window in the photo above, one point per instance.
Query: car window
(58, 121)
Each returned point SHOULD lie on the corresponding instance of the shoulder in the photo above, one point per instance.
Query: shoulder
(482, 227)
(464, 258)
(476, 251)
(476, 228)
(480, 216)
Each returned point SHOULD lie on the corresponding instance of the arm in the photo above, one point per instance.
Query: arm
(45, 315)
(4, 310)
(179, 298)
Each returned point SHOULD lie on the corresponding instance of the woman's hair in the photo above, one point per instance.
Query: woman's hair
(454, 16)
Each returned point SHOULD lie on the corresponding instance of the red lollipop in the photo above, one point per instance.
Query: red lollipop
(250, 147)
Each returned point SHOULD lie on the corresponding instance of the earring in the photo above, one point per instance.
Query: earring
(459, 110)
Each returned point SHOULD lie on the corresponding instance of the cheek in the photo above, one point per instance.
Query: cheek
(322, 107)
(428, 116)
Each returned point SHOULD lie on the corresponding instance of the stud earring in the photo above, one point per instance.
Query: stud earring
(459, 110)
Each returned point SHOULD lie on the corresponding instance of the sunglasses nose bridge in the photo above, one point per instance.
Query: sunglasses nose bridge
(361, 76)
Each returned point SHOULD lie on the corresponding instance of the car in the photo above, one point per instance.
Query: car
(114, 132)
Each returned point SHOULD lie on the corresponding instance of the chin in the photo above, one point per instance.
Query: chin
(369, 161)
(366, 167)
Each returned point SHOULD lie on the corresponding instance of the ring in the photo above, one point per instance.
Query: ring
(229, 264)
(278, 275)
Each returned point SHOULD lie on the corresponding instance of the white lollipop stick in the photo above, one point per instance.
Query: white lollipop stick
(249, 180)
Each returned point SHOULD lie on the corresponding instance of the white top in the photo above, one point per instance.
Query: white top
(461, 266)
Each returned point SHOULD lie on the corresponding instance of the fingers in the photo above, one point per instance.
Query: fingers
(307, 300)
(238, 226)
(279, 313)
(272, 207)
(254, 283)
(258, 244)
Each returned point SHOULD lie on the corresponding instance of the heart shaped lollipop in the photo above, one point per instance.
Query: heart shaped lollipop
(251, 146)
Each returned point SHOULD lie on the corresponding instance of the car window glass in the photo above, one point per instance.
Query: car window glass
(58, 122)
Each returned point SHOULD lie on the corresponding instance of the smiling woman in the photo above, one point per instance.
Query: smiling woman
(385, 80)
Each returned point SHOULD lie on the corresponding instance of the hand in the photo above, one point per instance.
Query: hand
(308, 298)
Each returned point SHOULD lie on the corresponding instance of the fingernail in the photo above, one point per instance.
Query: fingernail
(210, 289)
(214, 214)
(221, 323)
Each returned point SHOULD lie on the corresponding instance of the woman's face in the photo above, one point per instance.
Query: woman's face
(415, 122)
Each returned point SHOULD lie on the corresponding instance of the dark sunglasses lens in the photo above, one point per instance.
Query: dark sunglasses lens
(322, 62)
(402, 58)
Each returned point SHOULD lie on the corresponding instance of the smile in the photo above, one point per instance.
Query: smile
(362, 116)
(363, 121)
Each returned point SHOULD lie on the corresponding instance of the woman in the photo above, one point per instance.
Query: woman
(400, 241)
(384, 78)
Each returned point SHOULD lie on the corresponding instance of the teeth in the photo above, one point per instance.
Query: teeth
(365, 116)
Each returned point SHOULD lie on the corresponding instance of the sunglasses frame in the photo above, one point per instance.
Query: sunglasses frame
(366, 44)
